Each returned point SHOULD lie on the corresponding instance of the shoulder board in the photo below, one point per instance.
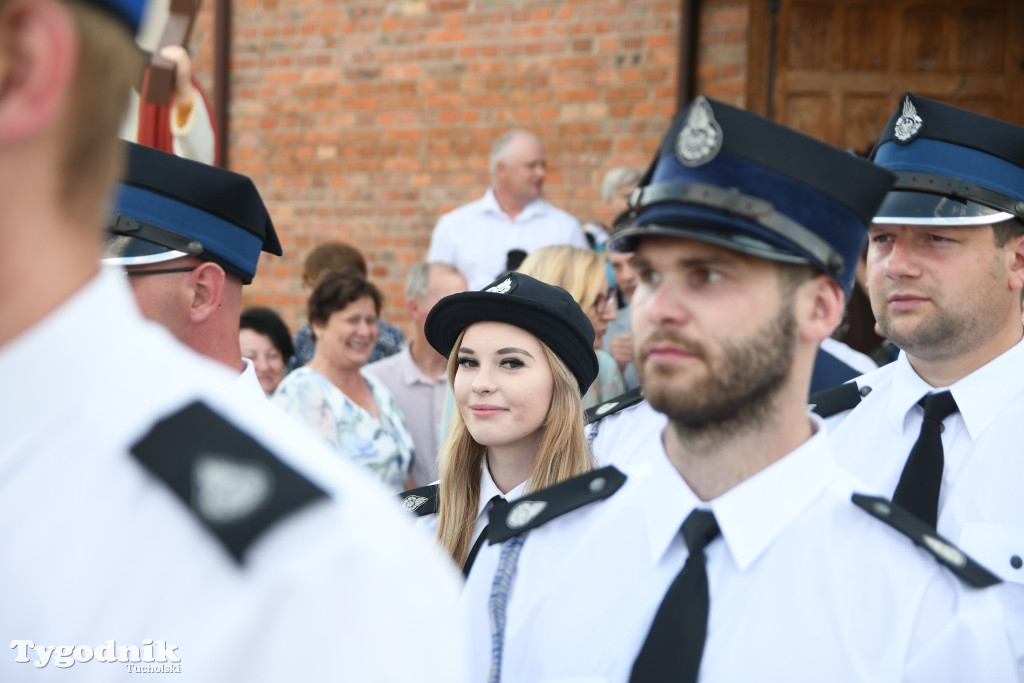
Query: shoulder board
(835, 400)
(925, 536)
(612, 406)
(234, 486)
(420, 501)
(540, 507)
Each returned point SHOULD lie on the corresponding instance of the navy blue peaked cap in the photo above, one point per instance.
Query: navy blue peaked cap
(729, 177)
(548, 312)
(168, 207)
(953, 166)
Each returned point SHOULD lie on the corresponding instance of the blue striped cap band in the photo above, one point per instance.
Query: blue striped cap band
(228, 242)
(953, 161)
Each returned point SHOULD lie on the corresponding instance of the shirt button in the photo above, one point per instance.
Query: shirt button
(1016, 562)
(597, 485)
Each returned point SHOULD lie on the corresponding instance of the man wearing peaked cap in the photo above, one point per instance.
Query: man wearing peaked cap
(188, 236)
(739, 527)
(201, 530)
(945, 273)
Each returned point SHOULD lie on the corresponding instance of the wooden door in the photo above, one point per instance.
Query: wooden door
(839, 67)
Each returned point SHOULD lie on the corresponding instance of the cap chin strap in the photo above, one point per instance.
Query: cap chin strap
(958, 189)
(732, 201)
(120, 224)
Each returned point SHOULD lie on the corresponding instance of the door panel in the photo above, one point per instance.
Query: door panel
(840, 66)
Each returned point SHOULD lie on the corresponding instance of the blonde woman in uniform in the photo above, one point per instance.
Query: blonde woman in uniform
(520, 355)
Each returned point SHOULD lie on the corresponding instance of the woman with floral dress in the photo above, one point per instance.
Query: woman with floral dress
(354, 412)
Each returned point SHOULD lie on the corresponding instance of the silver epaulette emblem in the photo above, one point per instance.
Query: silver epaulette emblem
(413, 503)
(226, 490)
(524, 512)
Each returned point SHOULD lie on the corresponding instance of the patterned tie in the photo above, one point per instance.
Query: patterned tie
(675, 642)
(918, 489)
(499, 601)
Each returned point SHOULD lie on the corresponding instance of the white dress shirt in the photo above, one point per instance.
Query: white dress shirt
(477, 237)
(804, 586)
(981, 507)
(619, 438)
(97, 548)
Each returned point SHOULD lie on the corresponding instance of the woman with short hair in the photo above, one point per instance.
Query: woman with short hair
(354, 412)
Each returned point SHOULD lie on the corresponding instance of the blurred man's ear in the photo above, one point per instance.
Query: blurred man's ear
(38, 49)
(819, 307)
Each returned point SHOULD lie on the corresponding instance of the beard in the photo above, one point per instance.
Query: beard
(740, 381)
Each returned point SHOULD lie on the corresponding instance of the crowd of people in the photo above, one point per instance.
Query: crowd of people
(635, 436)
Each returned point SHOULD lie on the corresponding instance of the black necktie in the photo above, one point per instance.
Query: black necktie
(918, 489)
(675, 642)
(475, 550)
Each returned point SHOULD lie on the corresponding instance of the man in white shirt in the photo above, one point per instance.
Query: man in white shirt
(151, 520)
(188, 236)
(493, 234)
(416, 374)
(945, 271)
(738, 550)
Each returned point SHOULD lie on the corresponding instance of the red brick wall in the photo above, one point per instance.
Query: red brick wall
(365, 121)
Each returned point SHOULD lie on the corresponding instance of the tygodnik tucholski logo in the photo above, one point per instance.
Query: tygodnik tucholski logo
(151, 657)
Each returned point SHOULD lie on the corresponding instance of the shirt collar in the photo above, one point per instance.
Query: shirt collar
(488, 489)
(752, 514)
(980, 396)
(535, 208)
(248, 381)
(411, 373)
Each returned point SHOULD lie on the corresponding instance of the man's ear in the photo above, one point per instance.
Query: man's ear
(820, 305)
(38, 51)
(207, 290)
(1015, 254)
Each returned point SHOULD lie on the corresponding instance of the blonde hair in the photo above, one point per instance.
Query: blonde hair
(574, 269)
(107, 65)
(563, 453)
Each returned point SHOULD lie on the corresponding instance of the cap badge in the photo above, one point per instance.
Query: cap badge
(413, 503)
(909, 123)
(226, 490)
(524, 512)
(701, 137)
(503, 287)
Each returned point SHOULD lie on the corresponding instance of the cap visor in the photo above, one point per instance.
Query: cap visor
(902, 207)
(125, 250)
(628, 239)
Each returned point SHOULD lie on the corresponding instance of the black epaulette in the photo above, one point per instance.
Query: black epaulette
(420, 501)
(835, 400)
(235, 486)
(925, 536)
(540, 507)
(612, 406)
